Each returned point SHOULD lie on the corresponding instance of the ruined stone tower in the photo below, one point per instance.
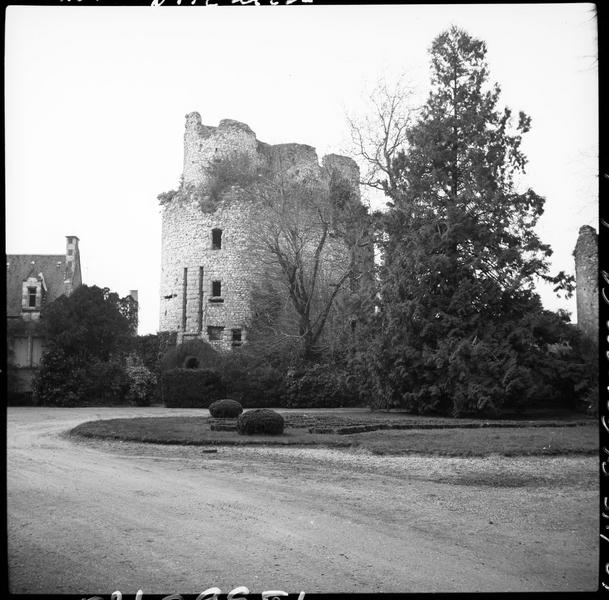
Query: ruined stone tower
(586, 274)
(206, 264)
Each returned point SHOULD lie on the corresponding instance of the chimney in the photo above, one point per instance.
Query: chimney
(72, 277)
(71, 244)
(136, 310)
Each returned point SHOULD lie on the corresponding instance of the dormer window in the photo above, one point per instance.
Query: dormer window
(32, 296)
(216, 239)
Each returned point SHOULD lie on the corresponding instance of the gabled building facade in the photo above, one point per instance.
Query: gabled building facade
(32, 280)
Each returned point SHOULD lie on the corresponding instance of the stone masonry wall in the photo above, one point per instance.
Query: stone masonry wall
(586, 276)
(187, 244)
(187, 230)
(203, 143)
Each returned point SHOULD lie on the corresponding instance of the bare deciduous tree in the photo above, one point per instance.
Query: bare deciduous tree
(308, 243)
(379, 134)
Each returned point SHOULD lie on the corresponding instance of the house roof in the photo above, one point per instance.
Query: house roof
(20, 267)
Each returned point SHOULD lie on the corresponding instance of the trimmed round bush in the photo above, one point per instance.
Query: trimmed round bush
(260, 421)
(225, 409)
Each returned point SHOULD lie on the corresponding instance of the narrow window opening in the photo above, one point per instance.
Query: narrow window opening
(216, 292)
(31, 292)
(236, 337)
(184, 298)
(214, 333)
(216, 239)
(200, 307)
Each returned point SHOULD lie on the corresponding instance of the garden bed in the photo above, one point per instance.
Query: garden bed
(460, 439)
(345, 425)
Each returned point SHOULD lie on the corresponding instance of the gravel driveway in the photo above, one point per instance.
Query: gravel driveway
(95, 517)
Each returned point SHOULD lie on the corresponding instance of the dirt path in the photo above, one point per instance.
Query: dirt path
(99, 517)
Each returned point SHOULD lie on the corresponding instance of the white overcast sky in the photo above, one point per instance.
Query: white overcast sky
(96, 97)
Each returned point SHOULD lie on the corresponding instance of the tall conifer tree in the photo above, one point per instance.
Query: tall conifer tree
(460, 254)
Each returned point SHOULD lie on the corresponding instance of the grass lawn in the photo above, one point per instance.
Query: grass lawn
(517, 440)
(520, 441)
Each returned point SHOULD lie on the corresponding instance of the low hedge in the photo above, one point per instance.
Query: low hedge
(260, 421)
(191, 388)
(20, 399)
(322, 386)
(225, 409)
(261, 387)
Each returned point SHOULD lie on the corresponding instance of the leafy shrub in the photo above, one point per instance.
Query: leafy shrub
(62, 382)
(150, 349)
(321, 386)
(191, 388)
(225, 409)
(259, 387)
(102, 383)
(56, 384)
(88, 325)
(142, 383)
(260, 421)
(534, 361)
(147, 348)
(237, 169)
(15, 392)
(167, 197)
